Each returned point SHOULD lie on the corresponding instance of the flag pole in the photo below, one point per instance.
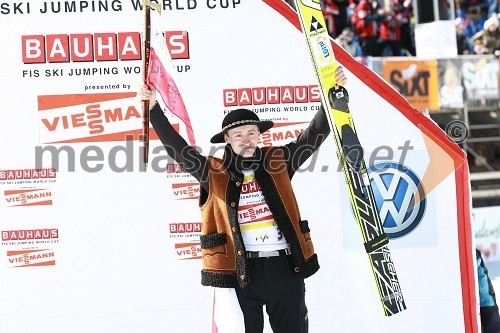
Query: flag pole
(145, 64)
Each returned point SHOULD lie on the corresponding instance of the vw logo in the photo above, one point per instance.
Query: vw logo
(395, 187)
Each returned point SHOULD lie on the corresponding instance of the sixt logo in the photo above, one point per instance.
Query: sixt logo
(395, 187)
(411, 81)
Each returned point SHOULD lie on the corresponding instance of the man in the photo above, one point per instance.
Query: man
(346, 40)
(364, 21)
(255, 245)
(389, 30)
(488, 308)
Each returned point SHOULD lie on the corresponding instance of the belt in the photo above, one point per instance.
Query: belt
(267, 254)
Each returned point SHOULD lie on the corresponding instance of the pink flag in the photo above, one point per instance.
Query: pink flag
(165, 85)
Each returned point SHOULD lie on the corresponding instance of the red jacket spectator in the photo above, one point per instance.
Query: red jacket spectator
(330, 10)
(364, 22)
(390, 30)
(390, 27)
(365, 19)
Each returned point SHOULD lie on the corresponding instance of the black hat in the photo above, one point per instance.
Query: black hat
(240, 117)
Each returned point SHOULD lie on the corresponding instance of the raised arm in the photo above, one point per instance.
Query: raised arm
(190, 159)
(313, 136)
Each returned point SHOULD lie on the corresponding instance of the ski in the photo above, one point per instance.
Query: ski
(350, 155)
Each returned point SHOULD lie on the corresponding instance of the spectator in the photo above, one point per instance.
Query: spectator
(341, 19)
(493, 7)
(478, 46)
(335, 14)
(364, 22)
(405, 9)
(330, 11)
(473, 24)
(463, 44)
(347, 40)
(390, 31)
(489, 36)
(350, 9)
(490, 318)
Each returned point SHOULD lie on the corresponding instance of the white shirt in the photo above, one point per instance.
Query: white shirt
(259, 230)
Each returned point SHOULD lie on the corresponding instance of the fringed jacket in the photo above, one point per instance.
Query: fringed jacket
(223, 251)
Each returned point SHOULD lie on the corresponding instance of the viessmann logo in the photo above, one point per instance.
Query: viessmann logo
(270, 95)
(282, 133)
(88, 47)
(28, 197)
(395, 188)
(188, 251)
(29, 258)
(89, 117)
(186, 190)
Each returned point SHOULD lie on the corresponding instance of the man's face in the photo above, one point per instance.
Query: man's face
(243, 139)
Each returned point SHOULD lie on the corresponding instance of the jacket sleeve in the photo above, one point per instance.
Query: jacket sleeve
(177, 148)
(298, 151)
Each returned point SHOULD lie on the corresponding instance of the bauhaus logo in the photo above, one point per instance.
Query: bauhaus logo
(30, 234)
(270, 95)
(27, 174)
(90, 47)
(399, 196)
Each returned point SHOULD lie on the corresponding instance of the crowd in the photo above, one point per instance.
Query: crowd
(385, 27)
(371, 27)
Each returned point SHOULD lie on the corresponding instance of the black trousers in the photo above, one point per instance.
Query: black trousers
(273, 284)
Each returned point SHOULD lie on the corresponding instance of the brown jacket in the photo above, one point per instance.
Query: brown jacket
(223, 251)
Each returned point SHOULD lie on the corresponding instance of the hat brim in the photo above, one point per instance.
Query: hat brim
(263, 126)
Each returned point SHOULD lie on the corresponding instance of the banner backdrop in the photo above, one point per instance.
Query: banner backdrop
(416, 80)
(480, 80)
(486, 221)
(93, 243)
(451, 91)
